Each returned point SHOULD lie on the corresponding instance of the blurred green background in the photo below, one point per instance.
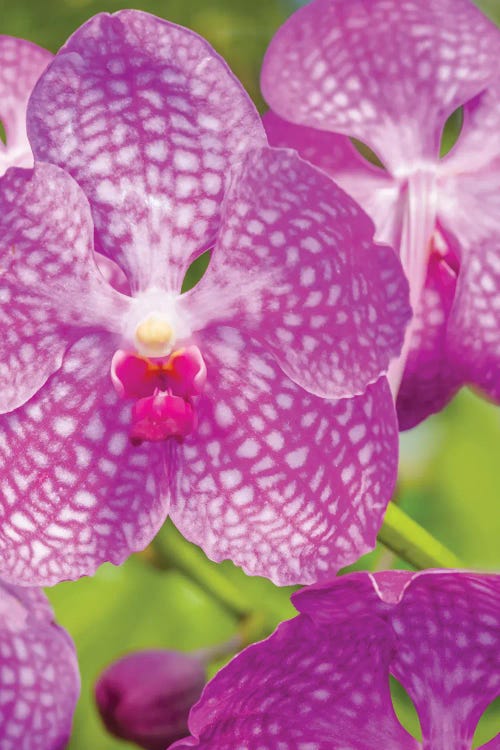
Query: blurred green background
(450, 466)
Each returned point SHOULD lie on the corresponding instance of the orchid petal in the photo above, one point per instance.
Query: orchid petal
(21, 64)
(474, 233)
(283, 483)
(150, 121)
(39, 680)
(389, 73)
(74, 491)
(448, 653)
(50, 287)
(300, 271)
(430, 379)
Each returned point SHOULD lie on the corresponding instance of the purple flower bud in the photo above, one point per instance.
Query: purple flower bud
(145, 697)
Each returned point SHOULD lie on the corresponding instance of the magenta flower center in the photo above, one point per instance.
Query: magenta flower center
(163, 391)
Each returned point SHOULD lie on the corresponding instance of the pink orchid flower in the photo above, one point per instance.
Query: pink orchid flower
(390, 73)
(39, 678)
(123, 406)
(321, 681)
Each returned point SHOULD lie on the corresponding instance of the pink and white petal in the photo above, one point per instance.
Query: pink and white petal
(389, 73)
(21, 64)
(50, 287)
(74, 491)
(39, 679)
(150, 121)
(470, 212)
(430, 378)
(296, 266)
(478, 145)
(376, 191)
(307, 686)
(284, 484)
(448, 652)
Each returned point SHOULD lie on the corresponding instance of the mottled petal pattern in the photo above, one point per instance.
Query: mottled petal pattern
(39, 680)
(376, 190)
(50, 287)
(326, 673)
(389, 73)
(21, 64)
(474, 325)
(284, 484)
(149, 120)
(330, 304)
(74, 491)
(430, 377)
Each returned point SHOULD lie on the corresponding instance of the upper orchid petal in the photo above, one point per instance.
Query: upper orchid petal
(430, 377)
(21, 64)
(50, 287)
(39, 680)
(149, 120)
(93, 496)
(283, 483)
(297, 267)
(389, 73)
(324, 676)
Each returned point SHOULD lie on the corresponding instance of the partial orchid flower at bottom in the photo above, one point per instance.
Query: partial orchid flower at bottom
(39, 677)
(321, 681)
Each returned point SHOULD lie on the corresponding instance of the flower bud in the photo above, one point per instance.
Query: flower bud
(146, 696)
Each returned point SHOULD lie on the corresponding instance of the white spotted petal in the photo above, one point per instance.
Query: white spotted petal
(150, 121)
(283, 483)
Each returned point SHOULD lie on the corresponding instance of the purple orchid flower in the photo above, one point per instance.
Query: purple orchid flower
(124, 407)
(145, 697)
(21, 64)
(321, 681)
(390, 73)
(39, 678)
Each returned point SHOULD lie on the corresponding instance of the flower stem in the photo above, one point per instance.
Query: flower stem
(412, 543)
(172, 551)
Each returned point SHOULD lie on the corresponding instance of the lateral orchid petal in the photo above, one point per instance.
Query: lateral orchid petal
(21, 64)
(329, 303)
(283, 480)
(150, 121)
(39, 680)
(324, 675)
(50, 287)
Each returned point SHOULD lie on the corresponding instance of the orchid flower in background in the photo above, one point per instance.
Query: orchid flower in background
(121, 408)
(321, 681)
(21, 64)
(39, 678)
(390, 73)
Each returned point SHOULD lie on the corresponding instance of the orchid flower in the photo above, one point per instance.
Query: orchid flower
(21, 64)
(390, 73)
(321, 681)
(39, 678)
(208, 405)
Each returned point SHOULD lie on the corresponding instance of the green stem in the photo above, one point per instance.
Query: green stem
(176, 553)
(412, 543)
